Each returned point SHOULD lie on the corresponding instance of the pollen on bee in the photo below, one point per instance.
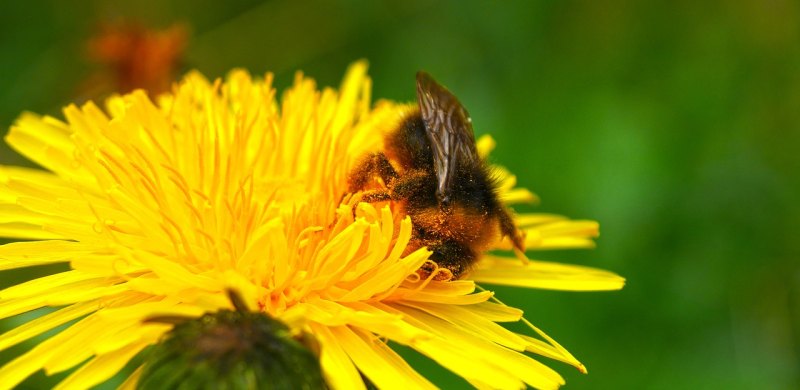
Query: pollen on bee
(461, 224)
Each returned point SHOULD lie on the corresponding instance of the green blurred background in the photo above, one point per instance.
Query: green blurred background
(674, 124)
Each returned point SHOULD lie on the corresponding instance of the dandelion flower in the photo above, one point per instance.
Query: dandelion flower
(161, 207)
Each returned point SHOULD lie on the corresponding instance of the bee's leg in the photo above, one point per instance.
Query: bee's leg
(375, 196)
(508, 228)
(410, 183)
(375, 164)
(452, 255)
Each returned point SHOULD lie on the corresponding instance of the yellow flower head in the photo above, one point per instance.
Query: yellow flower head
(161, 207)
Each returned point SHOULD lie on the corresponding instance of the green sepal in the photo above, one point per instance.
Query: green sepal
(231, 350)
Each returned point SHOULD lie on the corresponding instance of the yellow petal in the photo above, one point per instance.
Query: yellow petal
(467, 320)
(15, 371)
(45, 141)
(539, 274)
(567, 356)
(475, 358)
(380, 366)
(133, 379)
(470, 299)
(485, 144)
(30, 253)
(45, 323)
(26, 231)
(36, 286)
(496, 312)
(540, 347)
(532, 219)
(101, 367)
(338, 369)
(518, 195)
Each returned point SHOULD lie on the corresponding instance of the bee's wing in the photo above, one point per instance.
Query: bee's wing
(449, 130)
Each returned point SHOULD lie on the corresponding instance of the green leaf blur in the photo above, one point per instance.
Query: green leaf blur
(674, 124)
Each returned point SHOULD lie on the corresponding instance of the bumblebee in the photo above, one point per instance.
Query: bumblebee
(431, 168)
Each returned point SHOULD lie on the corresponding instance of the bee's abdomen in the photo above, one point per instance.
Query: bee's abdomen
(453, 255)
(473, 189)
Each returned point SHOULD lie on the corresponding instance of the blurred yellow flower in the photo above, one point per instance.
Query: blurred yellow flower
(161, 207)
